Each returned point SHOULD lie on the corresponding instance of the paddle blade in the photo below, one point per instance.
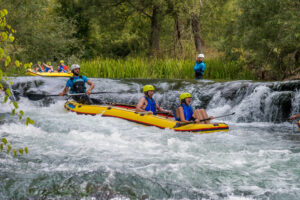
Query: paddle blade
(35, 97)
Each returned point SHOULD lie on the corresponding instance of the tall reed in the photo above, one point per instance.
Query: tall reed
(163, 69)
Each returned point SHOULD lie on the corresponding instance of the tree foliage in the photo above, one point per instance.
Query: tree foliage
(261, 35)
(6, 38)
(267, 34)
(42, 34)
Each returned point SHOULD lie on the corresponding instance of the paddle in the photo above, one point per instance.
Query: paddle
(36, 97)
(179, 124)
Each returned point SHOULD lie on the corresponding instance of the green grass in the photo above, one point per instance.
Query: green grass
(163, 69)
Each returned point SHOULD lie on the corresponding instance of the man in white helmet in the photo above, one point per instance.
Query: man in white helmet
(77, 85)
(199, 66)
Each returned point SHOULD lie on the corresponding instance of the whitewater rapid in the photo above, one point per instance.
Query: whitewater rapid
(92, 157)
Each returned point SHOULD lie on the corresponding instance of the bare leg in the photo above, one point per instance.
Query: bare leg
(201, 114)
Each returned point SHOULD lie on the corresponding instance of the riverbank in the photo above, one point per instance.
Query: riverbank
(164, 69)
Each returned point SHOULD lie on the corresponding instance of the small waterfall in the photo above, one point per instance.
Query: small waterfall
(251, 101)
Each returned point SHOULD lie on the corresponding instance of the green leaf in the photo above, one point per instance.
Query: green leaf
(5, 99)
(21, 112)
(17, 63)
(1, 13)
(21, 151)
(4, 36)
(29, 121)
(14, 152)
(5, 12)
(8, 149)
(4, 140)
(1, 147)
(7, 61)
(26, 150)
(13, 112)
(16, 104)
(1, 53)
(11, 38)
(8, 92)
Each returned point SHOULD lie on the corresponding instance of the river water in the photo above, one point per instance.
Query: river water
(92, 157)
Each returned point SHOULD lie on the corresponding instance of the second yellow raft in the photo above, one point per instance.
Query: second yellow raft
(143, 118)
(48, 74)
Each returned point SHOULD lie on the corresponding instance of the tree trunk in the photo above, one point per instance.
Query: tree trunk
(156, 20)
(177, 37)
(199, 43)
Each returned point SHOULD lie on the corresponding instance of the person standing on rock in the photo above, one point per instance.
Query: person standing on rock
(199, 67)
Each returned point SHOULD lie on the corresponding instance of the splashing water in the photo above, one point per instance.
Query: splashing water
(91, 157)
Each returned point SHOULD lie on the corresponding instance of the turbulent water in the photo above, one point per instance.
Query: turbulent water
(91, 157)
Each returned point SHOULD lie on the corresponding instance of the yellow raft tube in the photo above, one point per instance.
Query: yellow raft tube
(143, 118)
(48, 74)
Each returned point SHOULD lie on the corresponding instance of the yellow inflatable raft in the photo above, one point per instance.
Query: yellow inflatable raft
(142, 118)
(48, 74)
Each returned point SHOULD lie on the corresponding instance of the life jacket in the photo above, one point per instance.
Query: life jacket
(41, 69)
(151, 106)
(200, 67)
(188, 112)
(48, 69)
(78, 85)
(61, 68)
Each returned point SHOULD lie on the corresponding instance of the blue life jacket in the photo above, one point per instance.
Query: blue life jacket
(61, 68)
(78, 85)
(200, 67)
(151, 106)
(48, 69)
(188, 112)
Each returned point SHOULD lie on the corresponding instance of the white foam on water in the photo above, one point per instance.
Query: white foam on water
(251, 161)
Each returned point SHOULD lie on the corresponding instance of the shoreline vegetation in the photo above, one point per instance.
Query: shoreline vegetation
(164, 69)
(241, 39)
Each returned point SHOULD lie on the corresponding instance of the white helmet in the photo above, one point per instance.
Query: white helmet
(75, 66)
(200, 55)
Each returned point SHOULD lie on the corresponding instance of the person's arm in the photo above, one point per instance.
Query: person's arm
(91, 87)
(140, 105)
(66, 89)
(163, 110)
(180, 112)
(196, 67)
(293, 117)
